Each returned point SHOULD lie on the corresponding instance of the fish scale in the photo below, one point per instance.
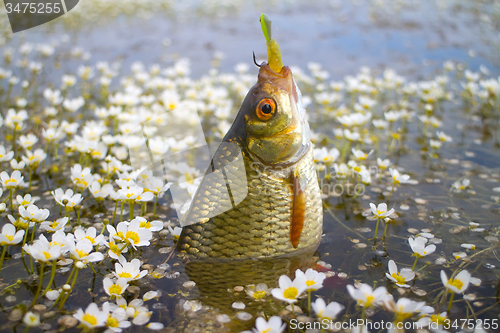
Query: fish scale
(266, 230)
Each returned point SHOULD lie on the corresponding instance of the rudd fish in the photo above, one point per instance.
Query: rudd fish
(257, 213)
(279, 210)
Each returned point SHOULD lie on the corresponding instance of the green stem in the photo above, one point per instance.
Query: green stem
(52, 275)
(154, 207)
(114, 213)
(385, 229)
(71, 289)
(33, 233)
(121, 212)
(78, 216)
(11, 206)
(392, 191)
(376, 231)
(3, 256)
(42, 265)
(414, 264)
(451, 301)
(26, 232)
(309, 302)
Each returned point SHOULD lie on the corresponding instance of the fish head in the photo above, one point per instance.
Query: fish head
(274, 118)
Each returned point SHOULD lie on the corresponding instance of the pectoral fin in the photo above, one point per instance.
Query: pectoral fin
(298, 208)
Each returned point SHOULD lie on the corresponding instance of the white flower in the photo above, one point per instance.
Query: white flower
(443, 137)
(366, 296)
(418, 246)
(360, 155)
(326, 156)
(341, 170)
(81, 177)
(116, 249)
(435, 144)
(33, 213)
(400, 278)
(117, 317)
(9, 236)
(53, 96)
(149, 225)
(398, 178)
(31, 319)
(131, 233)
(92, 317)
(115, 288)
(26, 200)
(274, 325)
(176, 232)
(74, 104)
(71, 199)
(461, 185)
(404, 308)
(82, 251)
(27, 141)
(314, 280)
(90, 235)
(383, 164)
(15, 165)
(42, 251)
(130, 271)
(457, 284)
(12, 181)
(5, 156)
(381, 211)
(288, 291)
(257, 292)
(324, 311)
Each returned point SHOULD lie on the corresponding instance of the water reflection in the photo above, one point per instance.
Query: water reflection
(222, 283)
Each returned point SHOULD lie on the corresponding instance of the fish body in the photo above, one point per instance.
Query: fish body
(265, 162)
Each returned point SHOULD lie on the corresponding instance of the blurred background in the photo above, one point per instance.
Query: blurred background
(412, 37)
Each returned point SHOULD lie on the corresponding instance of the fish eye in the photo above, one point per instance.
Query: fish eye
(266, 109)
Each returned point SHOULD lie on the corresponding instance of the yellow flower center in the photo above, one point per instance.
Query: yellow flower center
(146, 224)
(290, 293)
(115, 289)
(310, 282)
(259, 294)
(47, 255)
(125, 275)
(369, 300)
(91, 239)
(91, 319)
(399, 278)
(456, 283)
(81, 253)
(266, 331)
(9, 237)
(133, 236)
(114, 248)
(112, 322)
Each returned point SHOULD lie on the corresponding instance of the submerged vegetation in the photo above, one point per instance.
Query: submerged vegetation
(408, 169)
